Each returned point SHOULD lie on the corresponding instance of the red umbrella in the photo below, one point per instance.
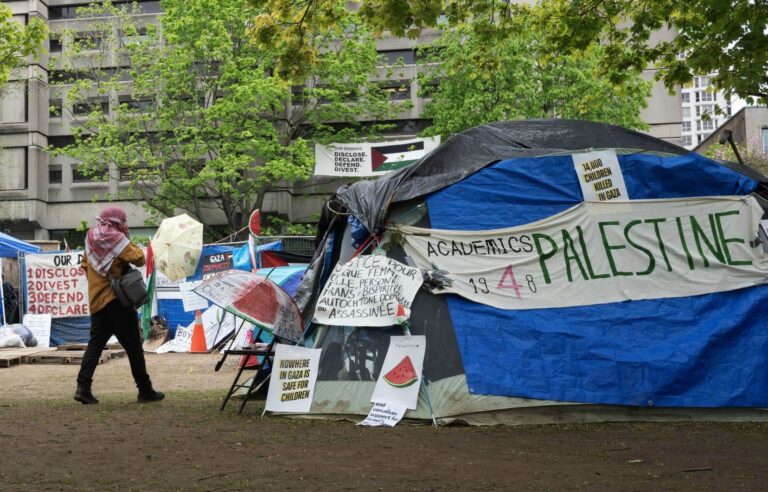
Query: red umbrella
(255, 299)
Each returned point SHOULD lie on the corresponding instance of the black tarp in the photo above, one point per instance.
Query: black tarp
(473, 149)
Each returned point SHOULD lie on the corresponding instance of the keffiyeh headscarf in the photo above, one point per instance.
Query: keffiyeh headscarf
(107, 240)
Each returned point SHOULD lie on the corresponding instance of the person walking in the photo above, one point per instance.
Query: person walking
(108, 251)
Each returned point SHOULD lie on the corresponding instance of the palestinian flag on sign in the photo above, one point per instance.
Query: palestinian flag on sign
(391, 157)
(150, 308)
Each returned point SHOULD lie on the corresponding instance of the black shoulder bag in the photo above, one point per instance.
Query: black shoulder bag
(130, 288)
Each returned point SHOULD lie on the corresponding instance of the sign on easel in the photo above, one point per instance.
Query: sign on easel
(40, 326)
(400, 376)
(292, 383)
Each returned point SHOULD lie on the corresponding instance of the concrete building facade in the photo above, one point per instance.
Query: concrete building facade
(43, 197)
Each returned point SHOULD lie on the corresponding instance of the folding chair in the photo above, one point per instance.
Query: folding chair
(263, 369)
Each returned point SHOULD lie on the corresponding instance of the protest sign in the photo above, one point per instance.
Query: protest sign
(292, 383)
(214, 264)
(400, 376)
(600, 176)
(366, 292)
(370, 159)
(384, 413)
(56, 285)
(596, 253)
(40, 326)
(190, 300)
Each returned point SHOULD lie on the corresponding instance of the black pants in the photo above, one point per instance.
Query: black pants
(114, 319)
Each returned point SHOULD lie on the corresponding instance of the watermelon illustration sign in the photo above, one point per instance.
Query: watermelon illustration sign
(370, 159)
(400, 376)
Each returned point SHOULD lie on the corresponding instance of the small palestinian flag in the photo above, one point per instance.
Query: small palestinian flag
(391, 157)
(403, 314)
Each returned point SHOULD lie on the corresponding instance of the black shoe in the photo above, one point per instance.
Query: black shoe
(84, 396)
(150, 396)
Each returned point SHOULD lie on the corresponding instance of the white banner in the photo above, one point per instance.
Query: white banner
(370, 159)
(400, 377)
(596, 253)
(600, 176)
(292, 383)
(56, 285)
(366, 291)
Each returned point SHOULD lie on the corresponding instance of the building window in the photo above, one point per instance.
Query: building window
(686, 96)
(60, 142)
(13, 168)
(71, 12)
(707, 96)
(686, 126)
(686, 140)
(397, 90)
(765, 139)
(686, 112)
(392, 57)
(699, 138)
(86, 108)
(79, 177)
(74, 239)
(707, 125)
(54, 108)
(140, 106)
(13, 103)
(701, 82)
(54, 174)
(55, 45)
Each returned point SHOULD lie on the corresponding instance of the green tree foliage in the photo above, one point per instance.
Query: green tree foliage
(481, 82)
(723, 36)
(17, 41)
(198, 120)
(727, 37)
(752, 154)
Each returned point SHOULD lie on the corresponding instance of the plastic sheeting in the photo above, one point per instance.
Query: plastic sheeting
(701, 351)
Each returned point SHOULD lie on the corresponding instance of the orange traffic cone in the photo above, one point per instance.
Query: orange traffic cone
(198, 344)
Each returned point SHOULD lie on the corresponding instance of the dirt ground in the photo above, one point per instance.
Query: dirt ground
(50, 442)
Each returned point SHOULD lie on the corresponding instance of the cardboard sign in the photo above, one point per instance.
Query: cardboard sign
(370, 159)
(366, 292)
(292, 383)
(190, 300)
(40, 326)
(597, 253)
(384, 413)
(600, 176)
(56, 285)
(400, 376)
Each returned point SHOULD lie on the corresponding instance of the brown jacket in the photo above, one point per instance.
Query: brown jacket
(100, 293)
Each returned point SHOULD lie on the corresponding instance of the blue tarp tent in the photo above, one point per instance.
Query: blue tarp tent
(595, 361)
(10, 247)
